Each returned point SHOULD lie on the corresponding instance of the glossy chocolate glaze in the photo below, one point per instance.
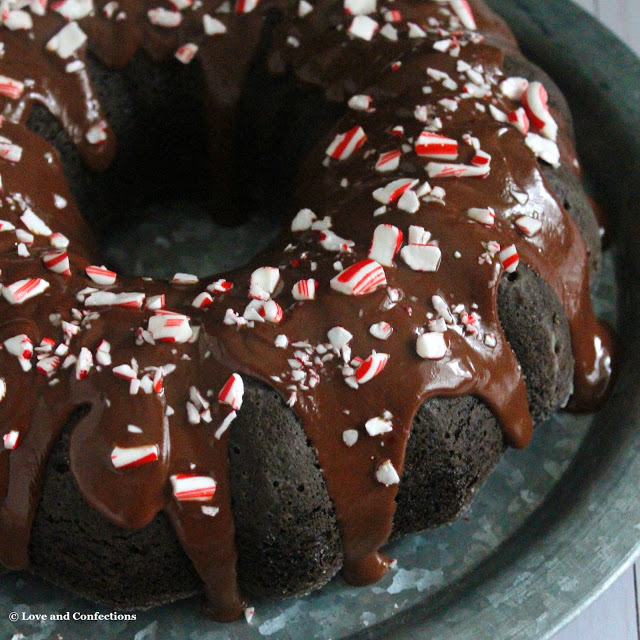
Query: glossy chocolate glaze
(320, 52)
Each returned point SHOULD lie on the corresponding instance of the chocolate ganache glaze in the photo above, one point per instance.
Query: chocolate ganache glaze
(379, 294)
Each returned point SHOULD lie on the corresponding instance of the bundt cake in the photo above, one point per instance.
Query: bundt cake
(426, 303)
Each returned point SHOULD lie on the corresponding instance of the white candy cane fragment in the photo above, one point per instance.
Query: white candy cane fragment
(514, 88)
(333, 242)
(59, 241)
(378, 426)
(21, 347)
(131, 300)
(535, 101)
(409, 201)
(48, 366)
(304, 289)
(186, 52)
(360, 7)
(418, 235)
(528, 226)
(360, 102)
(23, 290)
(304, 8)
(371, 367)
(202, 300)
(232, 392)
(345, 144)
(189, 486)
(101, 275)
(431, 346)
(184, 278)
(220, 286)
(18, 20)
(171, 328)
(103, 353)
(164, 18)
(57, 261)
(486, 216)
(386, 474)
(9, 151)
(543, 148)
(11, 439)
(73, 9)
(381, 330)
(385, 244)
(422, 257)
(303, 220)
(360, 279)
(3, 389)
(11, 88)
(363, 27)
(394, 190)
(5, 225)
(128, 457)
(389, 161)
(124, 371)
(212, 26)
(464, 13)
(445, 170)
(519, 120)
(433, 145)
(84, 363)
(263, 283)
(509, 258)
(155, 302)
(68, 40)
(481, 159)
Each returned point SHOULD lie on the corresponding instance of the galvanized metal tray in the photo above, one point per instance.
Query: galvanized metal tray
(555, 524)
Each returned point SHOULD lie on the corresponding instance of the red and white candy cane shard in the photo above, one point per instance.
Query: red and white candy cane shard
(418, 235)
(486, 216)
(519, 120)
(433, 145)
(303, 220)
(103, 353)
(509, 258)
(164, 18)
(23, 290)
(131, 300)
(20, 346)
(9, 151)
(155, 302)
(333, 242)
(11, 88)
(170, 328)
(360, 279)
(202, 300)
(345, 144)
(514, 88)
(212, 26)
(422, 257)
(385, 244)
(232, 392)
(184, 278)
(97, 133)
(528, 226)
(70, 328)
(84, 363)
(263, 282)
(270, 311)
(101, 275)
(392, 191)
(481, 159)
(59, 241)
(363, 27)
(158, 381)
(10, 440)
(48, 366)
(431, 346)
(445, 170)
(465, 14)
(220, 286)
(128, 457)
(246, 6)
(535, 101)
(189, 486)
(186, 52)
(124, 371)
(543, 148)
(381, 330)
(57, 261)
(35, 223)
(73, 9)
(389, 161)
(5, 225)
(371, 367)
(304, 289)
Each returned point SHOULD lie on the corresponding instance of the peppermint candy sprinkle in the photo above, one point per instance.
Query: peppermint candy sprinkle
(386, 474)
(304, 289)
(444, 170)
(360, 279)
(11, 88)
(389, 161)
(189, 486)
(528, 226)
(84, 363)
(509, 258)
(232, 392)
(433, 145)
(345, 144)
(172, 328)
(128, 457)
(483, 216)
(263, 282)
(381, 330)
(535, 100)
(385, 244)
(23, 290)
(57, 261)
(10, 440)
(21, 347)
(101, 275)
(431, 346)
(371, 367)
(422, 257)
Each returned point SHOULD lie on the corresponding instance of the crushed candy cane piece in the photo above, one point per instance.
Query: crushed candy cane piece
(381, 330)
(345, 144)
(483, 216)
(543, 148)
(101, 275)
(535, 101)
(418, 235)
(363, 27)
(422, 257)
(377, 426)
(212, 26)
(10, 439)
(528, 226)
(509, 258)
(389, 161)
(304, 289)
(170, 328)
(57, 261)
(84, 363)
(263, 282)
(68, 40)
(23, 290)
(186, 52)
(303, 220)
(434, 145)
(189, 486)
(360, 279)
(232, 392)
(385, 244)
(11, 88)
(371, 367)
(444, 170)
(386, 474)
(392, 191)
(129, 457)
(164, 18)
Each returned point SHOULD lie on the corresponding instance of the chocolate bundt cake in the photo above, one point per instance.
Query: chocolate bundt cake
(426, 303)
